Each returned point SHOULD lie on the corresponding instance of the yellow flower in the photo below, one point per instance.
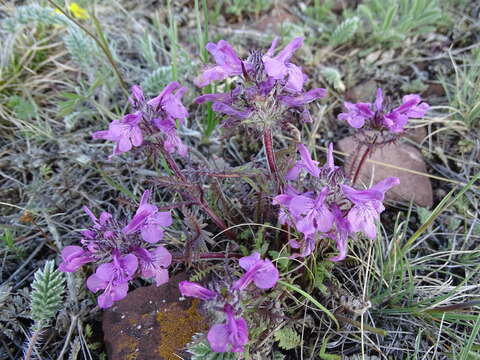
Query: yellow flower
(78, 11)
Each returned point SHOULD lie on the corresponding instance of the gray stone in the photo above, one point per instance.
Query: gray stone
(412, 186)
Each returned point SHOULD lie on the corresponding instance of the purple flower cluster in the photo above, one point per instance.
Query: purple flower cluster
(328, 208)
(159, 114)
(122, 252)
(270, 90)
(376, 116)
(233, 334)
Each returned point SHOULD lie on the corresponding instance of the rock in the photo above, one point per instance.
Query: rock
(412, 187)
(273, 20)
(417, 134)
(151, 323)
(363, 92)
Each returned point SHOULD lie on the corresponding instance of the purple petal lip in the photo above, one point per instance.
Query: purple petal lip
(192, 289)
(262, 272)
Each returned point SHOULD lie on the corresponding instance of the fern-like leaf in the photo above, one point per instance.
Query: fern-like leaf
(82, 48)
(345, 31)
(334, 78)
(28, 14)
(46, 296)
(157, 80)
(287, 338)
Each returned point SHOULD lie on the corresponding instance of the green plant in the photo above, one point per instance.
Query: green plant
(344, 31)
(392, 21)
(45, 301)
(461, 90)
(242, 7)
(46, 296)
(287, 338)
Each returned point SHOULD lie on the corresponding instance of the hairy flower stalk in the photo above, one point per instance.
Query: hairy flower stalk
(364, 157)
(268, 95)
(272, 165)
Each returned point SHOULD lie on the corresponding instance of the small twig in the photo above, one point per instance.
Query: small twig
(5, 346)
(73, 323)
(31, 343)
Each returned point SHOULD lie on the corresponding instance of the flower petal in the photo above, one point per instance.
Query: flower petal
(218, 337)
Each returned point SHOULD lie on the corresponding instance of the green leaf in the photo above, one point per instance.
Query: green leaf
(47, 290)
(287, 338)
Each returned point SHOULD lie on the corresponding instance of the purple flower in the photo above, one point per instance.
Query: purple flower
(170, 102)
(330, 165)
(231, 336)
(379, 118)
(229, 110)
(340, 234)
(195, 290)
(357, 114)
(262, 272)
(306, 162)
(303, 99)
(313, 214)
(228, 64)
(278, 67)
(306, 246)
(154, 264)
(367, 206)
(284, 200)
(270, 88)
(98, 224)
(172, 142)
(125, 133)
(148, 220)
(138, 97)
(73, 258)
(412, 107)
(113, 278)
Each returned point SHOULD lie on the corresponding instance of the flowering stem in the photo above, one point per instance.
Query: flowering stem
(199, 201)
(362, 160)
(171, 163)
(216, 219)
(272, 165)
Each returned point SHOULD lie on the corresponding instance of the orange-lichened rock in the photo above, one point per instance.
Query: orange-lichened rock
(152, 323)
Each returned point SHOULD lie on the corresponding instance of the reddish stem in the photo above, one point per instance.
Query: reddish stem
(172, 164)
(217, 220)
(362, 160)
(272, 164)
(200, 201)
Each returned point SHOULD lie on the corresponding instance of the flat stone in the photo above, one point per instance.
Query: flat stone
(413, 187)
(152, 323)
(362, 92)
